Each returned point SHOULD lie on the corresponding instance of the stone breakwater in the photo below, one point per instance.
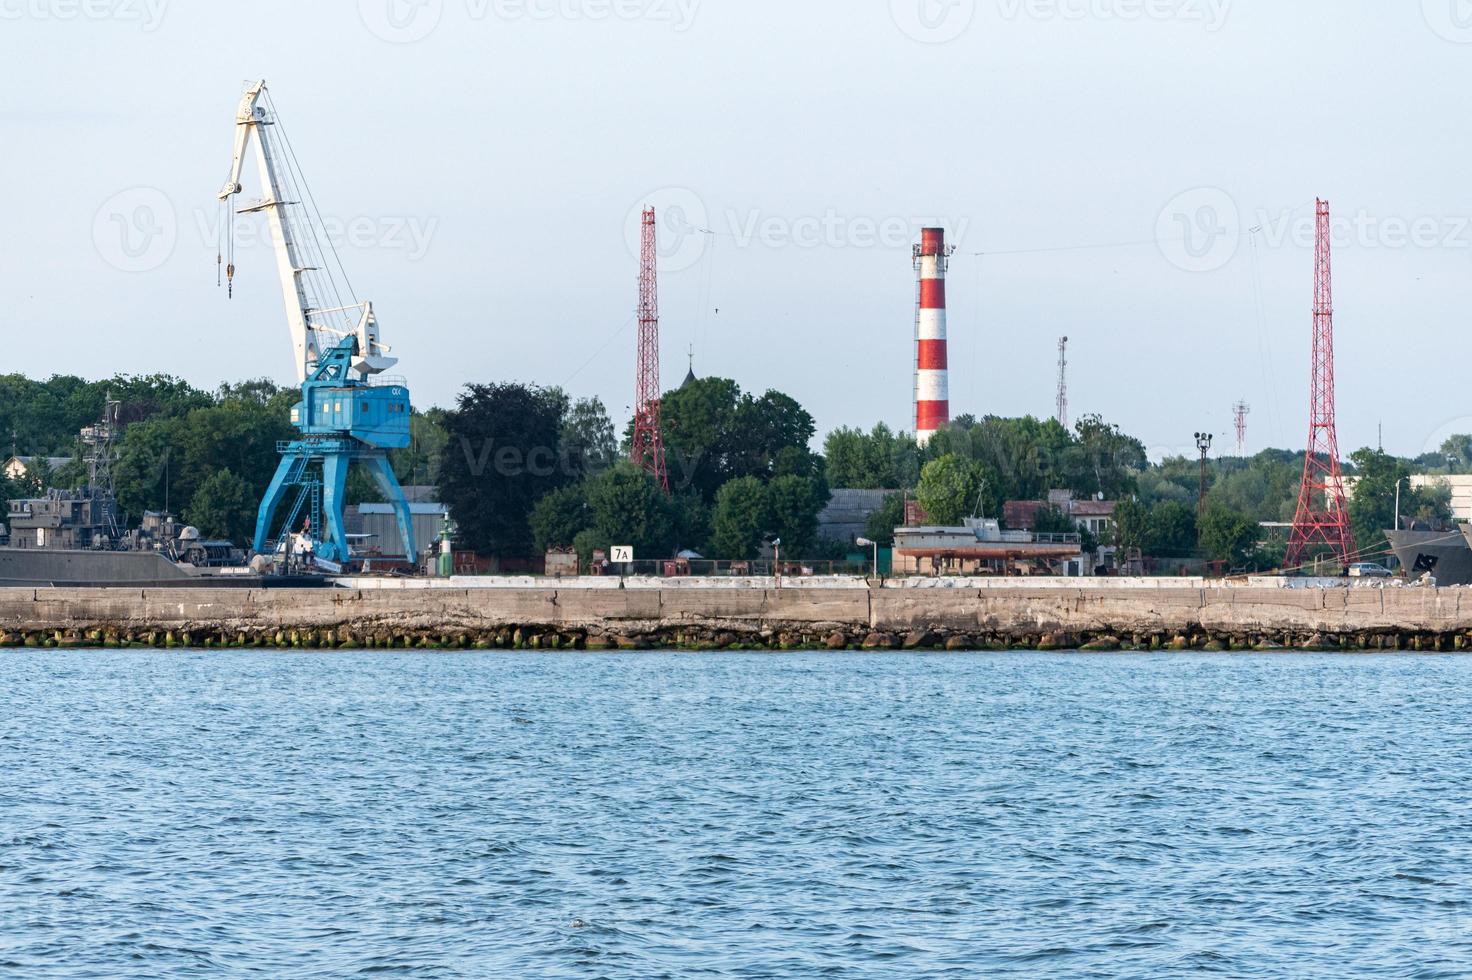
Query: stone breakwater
(1089, 617)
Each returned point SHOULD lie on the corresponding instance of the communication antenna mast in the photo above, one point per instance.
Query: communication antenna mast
(648, 448)
(1240, 411)
(1063, 382)
(1322, 518)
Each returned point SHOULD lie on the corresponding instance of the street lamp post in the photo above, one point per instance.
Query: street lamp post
(1203, 443)
(866, 543)
(777, 561)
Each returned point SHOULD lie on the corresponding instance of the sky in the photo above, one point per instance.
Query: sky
(1138, 175)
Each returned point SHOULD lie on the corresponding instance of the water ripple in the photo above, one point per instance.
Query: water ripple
(658, 815)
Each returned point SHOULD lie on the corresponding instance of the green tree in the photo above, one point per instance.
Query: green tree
(1131, 524)
(949, 489)
(628, 508)
(871, 460)
(881, 524)
(1104, 460)
(1372, 503)
(1227, 535)
(793, 503)
(588, 443)
(559, 517)
(714, 433)
(1172, 530)
(740, 520)
(223, 507)
(500, 458)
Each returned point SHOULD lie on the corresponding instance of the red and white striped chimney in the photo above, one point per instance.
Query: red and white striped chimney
(932, 380)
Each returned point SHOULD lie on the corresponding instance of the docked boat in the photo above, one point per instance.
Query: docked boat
(76, 538)
(1445, 555)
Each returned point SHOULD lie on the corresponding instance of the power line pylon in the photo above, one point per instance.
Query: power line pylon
(648, 448)
(1322, 518)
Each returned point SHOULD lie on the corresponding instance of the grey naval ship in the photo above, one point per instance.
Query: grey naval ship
(77, 537)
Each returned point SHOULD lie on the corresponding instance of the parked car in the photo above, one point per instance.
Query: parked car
(1368, 569)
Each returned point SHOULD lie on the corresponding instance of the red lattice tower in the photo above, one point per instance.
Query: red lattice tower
(1323, 518)
(648, 450)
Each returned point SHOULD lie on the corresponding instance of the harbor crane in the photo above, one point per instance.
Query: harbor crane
(350, 411)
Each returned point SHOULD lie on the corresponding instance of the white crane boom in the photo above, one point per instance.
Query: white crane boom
(307, 317)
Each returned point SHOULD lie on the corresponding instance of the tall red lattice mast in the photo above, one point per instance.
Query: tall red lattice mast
(1323, 518)
(648, 451)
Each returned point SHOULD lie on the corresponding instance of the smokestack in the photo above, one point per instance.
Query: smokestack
(932, 381)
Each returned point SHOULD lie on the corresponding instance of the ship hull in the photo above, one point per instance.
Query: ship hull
(47, 568)
(1447, 555)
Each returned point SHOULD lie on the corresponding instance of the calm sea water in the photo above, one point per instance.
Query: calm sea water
(732, 815)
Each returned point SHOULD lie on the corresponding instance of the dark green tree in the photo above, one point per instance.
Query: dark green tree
(627, 507)
(223, 507)
(741, 519)
(500, 458)
(559, 517)
(793, 503)
(1172, 530)
(881, 524)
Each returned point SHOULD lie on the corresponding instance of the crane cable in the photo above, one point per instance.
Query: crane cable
(225, 249)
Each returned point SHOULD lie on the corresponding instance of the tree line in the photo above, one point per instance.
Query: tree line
(525, 468)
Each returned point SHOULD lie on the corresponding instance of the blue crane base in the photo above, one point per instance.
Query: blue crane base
(313, 476)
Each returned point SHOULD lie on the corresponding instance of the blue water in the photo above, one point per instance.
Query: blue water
(301, 815)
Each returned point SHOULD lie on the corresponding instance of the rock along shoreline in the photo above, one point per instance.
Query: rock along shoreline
(547, 615)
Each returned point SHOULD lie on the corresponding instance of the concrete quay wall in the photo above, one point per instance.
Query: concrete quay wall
(1097, 616)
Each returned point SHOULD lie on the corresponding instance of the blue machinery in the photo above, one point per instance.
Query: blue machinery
(342, 421)
(349, 413)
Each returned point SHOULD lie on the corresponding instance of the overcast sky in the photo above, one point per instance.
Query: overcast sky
(484, 162)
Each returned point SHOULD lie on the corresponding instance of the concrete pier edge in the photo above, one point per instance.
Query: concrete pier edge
(1089, 617)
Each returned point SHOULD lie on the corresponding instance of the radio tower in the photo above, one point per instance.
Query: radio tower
(1063, 382)
(1240, 411)
(648, 448)
(1323, 518)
